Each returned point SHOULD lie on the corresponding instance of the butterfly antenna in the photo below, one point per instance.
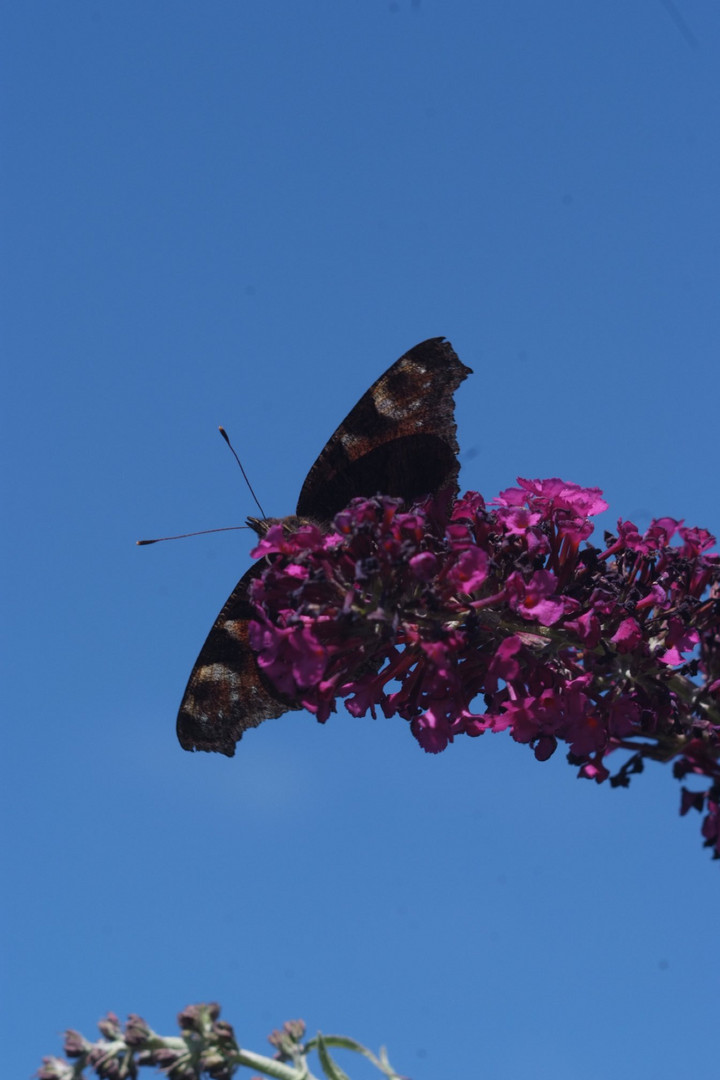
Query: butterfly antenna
(183, 536)
(226, 437)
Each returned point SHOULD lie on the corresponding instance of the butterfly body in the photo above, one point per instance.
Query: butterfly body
(398, 440)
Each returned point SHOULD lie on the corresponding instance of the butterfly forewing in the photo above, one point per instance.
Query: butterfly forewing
(398, 440)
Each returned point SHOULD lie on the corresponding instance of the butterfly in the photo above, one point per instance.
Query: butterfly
(399, 440)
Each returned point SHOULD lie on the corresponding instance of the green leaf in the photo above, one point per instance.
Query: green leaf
(329, 1067)
(346, 1043)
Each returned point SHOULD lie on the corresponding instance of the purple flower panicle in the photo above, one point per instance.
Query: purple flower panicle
(206, 1047)
(495, 616)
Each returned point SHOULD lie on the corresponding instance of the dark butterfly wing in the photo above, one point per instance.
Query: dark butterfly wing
(398, 440)
(226, 693)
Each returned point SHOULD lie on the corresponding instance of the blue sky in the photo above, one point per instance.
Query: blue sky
(241, 214)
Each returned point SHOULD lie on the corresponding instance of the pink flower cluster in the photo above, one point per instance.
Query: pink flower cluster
(495, 616)
(206, 1047)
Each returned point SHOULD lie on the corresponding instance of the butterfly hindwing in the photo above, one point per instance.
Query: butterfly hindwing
(398, 440)
(226, 693)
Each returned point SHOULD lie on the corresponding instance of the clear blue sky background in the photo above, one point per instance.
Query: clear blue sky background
(241, 213)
